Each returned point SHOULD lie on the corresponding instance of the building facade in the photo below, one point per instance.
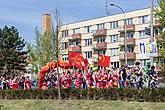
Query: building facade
(105, 35)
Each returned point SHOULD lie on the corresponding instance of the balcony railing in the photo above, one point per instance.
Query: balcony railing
(76, 36)
(76, 48)
(129, 27)
(129, 56)
(100, 32)
(101, 46)
(130, 41)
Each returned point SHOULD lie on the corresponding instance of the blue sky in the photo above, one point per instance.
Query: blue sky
(25, 15)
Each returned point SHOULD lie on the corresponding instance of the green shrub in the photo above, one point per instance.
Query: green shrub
(125, 94)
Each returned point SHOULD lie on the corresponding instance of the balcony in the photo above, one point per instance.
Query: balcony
(76, 36)
(101, 46)
(76, 48)
(129, 56)
(100, 32)
(130, 27)
(130, 41)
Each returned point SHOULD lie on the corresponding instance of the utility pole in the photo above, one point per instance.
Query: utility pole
(151, 27)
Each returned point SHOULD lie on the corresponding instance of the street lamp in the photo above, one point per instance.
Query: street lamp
(151, 28)
(125, 31)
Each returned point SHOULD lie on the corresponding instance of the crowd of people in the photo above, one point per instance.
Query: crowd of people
(102, 78)
(77, 78)
(17, 82)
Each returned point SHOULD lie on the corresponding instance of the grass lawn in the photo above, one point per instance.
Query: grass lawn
(78, 105)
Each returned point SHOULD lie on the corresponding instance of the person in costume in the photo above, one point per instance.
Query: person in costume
(15, 84)
(27, 83)
(66, 80)
(80, 79)
(153, 80)
(139, 75)
(89, 80)
(104, 78)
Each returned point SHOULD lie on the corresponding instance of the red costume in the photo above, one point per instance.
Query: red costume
(89, 80)
(66, 81)
(80, 79)
(115, 81)
(27, 85)
(104, 79)
(14, 85)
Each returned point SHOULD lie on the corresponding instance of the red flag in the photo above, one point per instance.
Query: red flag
(103, 60)
(76, 59)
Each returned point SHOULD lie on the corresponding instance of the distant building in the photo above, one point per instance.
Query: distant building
(105, 35)
(46, 22)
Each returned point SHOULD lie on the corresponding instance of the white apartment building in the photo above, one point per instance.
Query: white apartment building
(105, 35)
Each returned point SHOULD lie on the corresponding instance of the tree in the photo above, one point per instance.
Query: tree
(35, 54)
(47, 46)
(12, 55)
(160, 14)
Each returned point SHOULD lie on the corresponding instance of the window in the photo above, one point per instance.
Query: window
(142, 34)
(100, 39)
(114, 51)
(143, 19)
(114, 24)
(100, 26)
(65, 58)
(64, 45)
(65, 33)
(130, 35)
(156, 31)
(114, 38)
(143, 62)
(130, 62)
(130, 49)
(88, 29)
(76, 43)
(88, 54)
(88, 42)
(101, 52)
(128, 21)
(114, 65)
(76, 30)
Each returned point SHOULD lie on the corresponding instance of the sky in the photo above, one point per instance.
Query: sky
(25, 15)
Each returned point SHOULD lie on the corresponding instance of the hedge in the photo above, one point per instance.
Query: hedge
(125, 94)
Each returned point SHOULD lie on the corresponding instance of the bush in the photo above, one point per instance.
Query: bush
(125, 94)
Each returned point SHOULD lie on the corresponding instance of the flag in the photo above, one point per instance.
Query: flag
(76, 59)
(103, 60)
(60, 63)
(63, 64)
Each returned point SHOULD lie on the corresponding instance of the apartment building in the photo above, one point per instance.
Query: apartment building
(105, 35)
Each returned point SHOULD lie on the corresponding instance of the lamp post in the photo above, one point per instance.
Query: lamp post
(151, 28)
(125, 31)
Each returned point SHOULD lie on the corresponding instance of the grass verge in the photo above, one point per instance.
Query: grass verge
(78, 105)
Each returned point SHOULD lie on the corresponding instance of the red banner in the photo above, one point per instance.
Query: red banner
(76, 59)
